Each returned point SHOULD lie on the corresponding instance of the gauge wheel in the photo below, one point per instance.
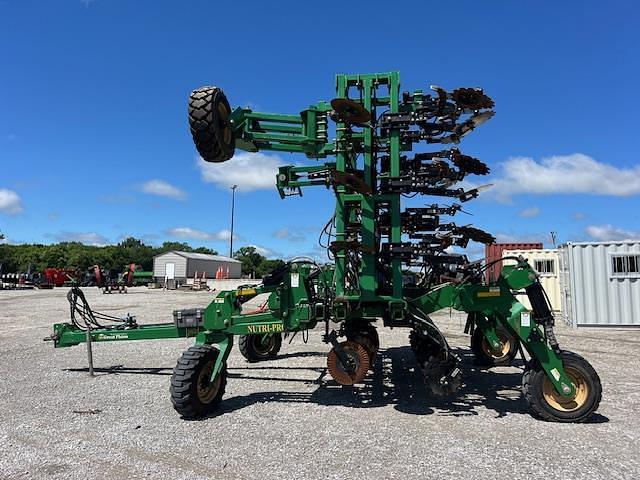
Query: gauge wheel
(487, 356)
(256, 348)
(366, 335)
(193, 393)
(546, 403)
(210, 124)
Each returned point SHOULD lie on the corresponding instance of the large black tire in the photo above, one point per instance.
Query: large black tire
(193, 395)
(487, 357)
(252, 348)
(547, 404)
(366, 335)
(212, 132)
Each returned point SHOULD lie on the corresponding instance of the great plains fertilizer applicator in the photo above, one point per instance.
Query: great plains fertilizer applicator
(378, 131)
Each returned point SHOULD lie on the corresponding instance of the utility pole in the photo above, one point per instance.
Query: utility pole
(233, 201)
(553, 238)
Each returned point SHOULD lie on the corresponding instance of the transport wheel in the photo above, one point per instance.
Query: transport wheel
(366, 335)
(547, 404)
(209, 115)
(193, 394)
(255, 349)
(486, 356)
(357, 367)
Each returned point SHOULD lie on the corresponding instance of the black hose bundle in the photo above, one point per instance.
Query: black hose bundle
(84, 317)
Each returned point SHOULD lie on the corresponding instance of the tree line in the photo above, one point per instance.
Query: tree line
(18, 258)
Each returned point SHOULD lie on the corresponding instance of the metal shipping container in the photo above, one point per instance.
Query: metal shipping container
(494, 251)
(182, 265)
(547, 263)
(600, 283)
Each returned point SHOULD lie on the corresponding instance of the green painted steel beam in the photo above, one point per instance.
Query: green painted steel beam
(273, 117)
(67, 335)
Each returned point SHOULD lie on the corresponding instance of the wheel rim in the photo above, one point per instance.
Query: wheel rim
(223, 113)
(500, 353)
(262, 348)
(567, 404)
(207, 390)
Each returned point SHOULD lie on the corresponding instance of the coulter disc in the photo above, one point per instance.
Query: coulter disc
(357, 365)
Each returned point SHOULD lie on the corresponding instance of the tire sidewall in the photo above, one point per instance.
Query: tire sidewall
(198, 403)
(536, 381)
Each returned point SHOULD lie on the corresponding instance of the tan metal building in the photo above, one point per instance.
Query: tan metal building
(547, 263)
(177, 265)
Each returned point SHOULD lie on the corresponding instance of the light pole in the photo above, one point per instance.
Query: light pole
(233, 201)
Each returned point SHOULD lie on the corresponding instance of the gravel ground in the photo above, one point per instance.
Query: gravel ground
(286, 419)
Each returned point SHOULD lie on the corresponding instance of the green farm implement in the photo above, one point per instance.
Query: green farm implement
(390, 266)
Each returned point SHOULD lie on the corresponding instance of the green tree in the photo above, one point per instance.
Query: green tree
(255, 264)
(268, 266)
(206, 250)
(250, 259)
(17, 258)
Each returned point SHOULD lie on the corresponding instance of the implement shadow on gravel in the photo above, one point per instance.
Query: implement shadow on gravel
(395, 381)
(120, 369)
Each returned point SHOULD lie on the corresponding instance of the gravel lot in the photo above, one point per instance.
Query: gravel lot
(286, 419)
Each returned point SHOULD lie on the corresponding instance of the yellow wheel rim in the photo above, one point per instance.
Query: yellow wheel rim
(501, 352)
(223, 112)
(567, 404)
(207, 390)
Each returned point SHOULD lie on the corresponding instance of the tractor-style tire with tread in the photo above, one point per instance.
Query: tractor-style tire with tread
(193, 395)
(209, 113)
(546, 404)
(483, 355)
(253, 350)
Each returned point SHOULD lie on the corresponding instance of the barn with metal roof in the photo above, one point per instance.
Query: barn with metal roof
(178, 266)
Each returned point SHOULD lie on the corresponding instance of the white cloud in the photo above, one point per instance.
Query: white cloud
(266, 252)
(563, 174)
(162, 189)
(529, 212)
(250, 171)
(88, 238)
(287, 234)
(10, 202)
(609, 232)
(193, 233)
(225, 235)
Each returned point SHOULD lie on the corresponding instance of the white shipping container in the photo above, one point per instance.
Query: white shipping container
(600, 283)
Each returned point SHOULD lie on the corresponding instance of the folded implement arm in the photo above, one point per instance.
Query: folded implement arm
(376, 129)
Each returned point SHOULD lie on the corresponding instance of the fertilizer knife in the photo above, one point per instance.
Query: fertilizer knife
(376, 162)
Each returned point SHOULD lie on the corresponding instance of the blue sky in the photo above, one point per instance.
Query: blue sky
(94, 142)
